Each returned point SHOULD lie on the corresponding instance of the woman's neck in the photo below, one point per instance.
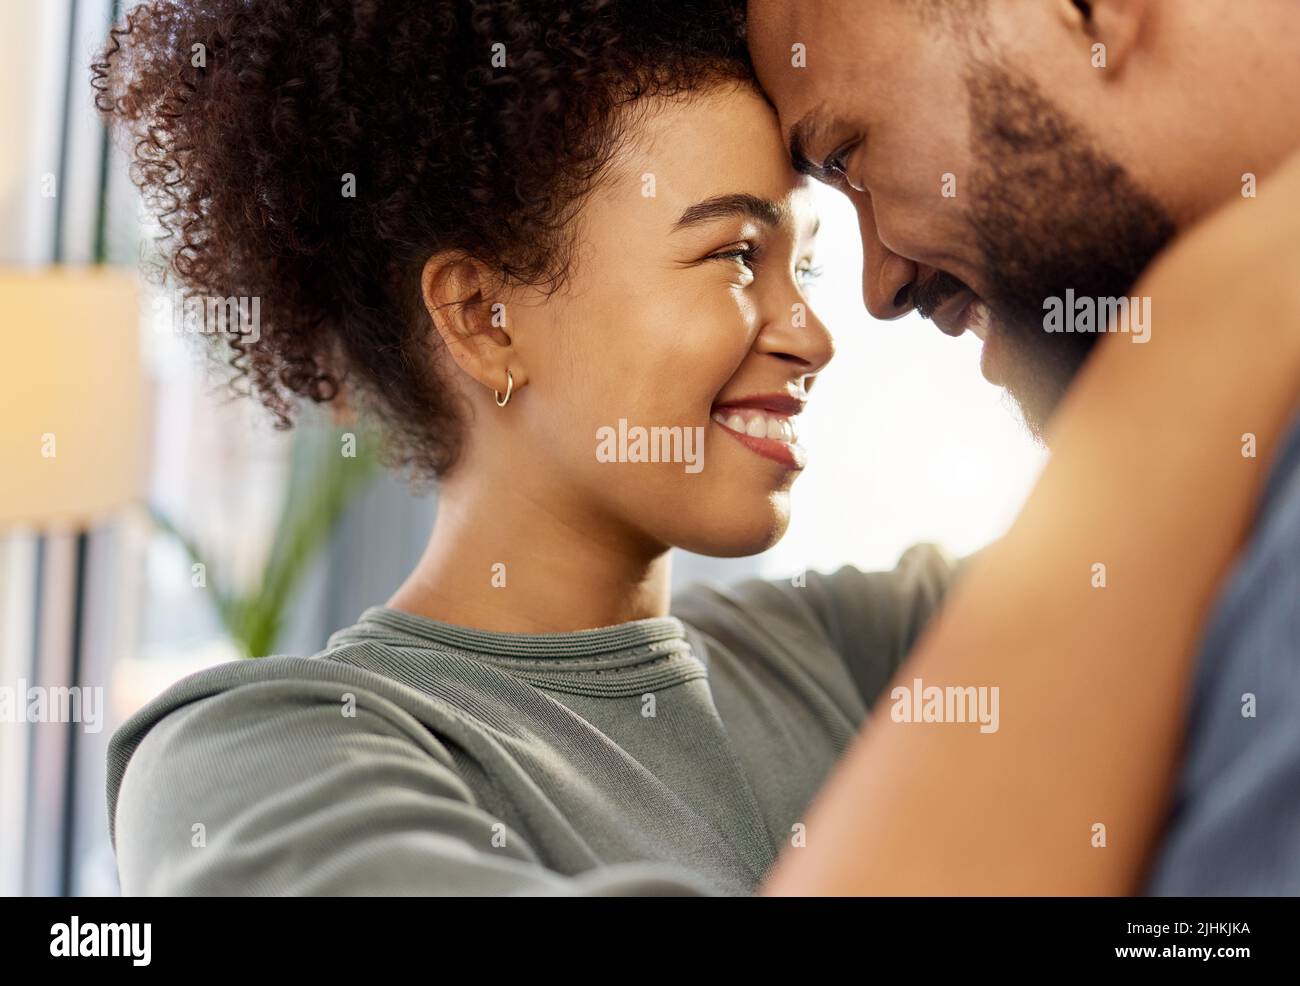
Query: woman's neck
(513, 561)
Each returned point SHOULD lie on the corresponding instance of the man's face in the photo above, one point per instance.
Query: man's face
(979, 197)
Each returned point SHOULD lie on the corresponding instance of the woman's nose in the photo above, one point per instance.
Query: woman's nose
(799, 336)
(820, 347)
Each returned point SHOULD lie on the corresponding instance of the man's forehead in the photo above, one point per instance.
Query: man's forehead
(779, 56)
(775, 25)
(799, 49)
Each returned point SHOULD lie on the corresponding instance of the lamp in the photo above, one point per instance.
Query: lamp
(71, 451)
(71, 396)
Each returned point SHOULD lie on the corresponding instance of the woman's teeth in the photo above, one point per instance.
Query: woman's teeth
(757, 424)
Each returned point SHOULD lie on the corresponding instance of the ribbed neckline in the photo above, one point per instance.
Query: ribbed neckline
(597, 642)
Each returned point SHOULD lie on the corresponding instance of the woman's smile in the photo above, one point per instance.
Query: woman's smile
(765, 425)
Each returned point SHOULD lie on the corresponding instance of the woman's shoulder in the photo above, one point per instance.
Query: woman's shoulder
(868, 619)
(366, 657)
(245, 674)
(916, 584)
(275, 703)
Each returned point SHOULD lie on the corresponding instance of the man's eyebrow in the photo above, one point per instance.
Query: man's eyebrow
(808, 131)
(800, 136)
(765, 211)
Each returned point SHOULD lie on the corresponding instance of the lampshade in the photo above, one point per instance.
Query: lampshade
(71, 395)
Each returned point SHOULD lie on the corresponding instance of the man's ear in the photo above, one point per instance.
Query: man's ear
(459, 295)
(1114, 25)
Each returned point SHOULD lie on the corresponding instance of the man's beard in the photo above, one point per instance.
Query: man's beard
(1050, 213)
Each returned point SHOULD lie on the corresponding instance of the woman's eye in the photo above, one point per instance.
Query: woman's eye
(745, 255)
(808, 273)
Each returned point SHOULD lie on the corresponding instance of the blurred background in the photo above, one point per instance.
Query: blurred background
(151, 525)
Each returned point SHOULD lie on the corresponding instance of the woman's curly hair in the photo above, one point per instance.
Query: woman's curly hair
(245, 117)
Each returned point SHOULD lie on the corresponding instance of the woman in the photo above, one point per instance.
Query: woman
(560, 255)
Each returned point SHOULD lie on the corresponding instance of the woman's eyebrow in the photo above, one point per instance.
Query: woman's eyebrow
(765, 211)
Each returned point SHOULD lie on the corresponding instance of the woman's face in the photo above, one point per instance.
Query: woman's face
(681, 334)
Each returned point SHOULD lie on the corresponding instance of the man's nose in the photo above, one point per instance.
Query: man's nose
(887, 278)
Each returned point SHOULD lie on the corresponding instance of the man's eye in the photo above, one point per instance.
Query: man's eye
(837, 163)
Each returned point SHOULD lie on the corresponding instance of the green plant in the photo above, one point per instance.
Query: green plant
(322, 482)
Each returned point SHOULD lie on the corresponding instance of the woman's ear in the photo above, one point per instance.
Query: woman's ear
(458, 293)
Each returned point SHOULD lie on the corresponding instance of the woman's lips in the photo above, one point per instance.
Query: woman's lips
(770, 433)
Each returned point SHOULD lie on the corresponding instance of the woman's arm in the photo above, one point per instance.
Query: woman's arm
(1147, 478)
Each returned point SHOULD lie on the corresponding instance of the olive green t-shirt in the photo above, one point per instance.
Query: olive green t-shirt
(667, 756)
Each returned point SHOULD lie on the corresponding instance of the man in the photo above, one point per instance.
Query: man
(1015, 166)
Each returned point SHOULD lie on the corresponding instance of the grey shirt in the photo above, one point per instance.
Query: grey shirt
(674, 755)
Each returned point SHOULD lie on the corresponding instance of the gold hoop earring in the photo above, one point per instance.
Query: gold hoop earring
(510, 387)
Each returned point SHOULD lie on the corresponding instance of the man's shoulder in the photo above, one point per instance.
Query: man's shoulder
(1283, 488)
(1271, 558)
(1259, 607)
(1234, 828)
